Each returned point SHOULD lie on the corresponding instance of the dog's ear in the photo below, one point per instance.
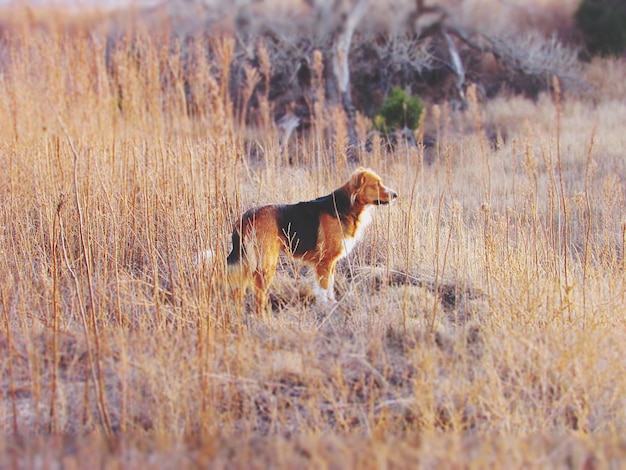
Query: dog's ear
(358, 178)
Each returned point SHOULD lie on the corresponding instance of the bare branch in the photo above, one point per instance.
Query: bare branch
(341, 69)
(342, 42)
(457, 66)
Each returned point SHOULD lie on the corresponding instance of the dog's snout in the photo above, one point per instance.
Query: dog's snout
(391, 193)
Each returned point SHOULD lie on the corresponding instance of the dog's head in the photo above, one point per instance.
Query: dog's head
(367, 188)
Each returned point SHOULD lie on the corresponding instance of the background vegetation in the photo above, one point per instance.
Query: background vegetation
(399, 111)
(603, 24)
(480, 323)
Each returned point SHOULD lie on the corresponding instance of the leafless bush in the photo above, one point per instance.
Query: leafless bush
(530, 61)
(396, 44)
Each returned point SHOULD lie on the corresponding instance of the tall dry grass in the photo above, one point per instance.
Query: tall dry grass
(480, 323)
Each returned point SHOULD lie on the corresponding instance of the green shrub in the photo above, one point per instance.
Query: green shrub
(603, 23)
(398, 111)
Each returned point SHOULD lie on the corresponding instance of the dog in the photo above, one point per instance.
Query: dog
(320, 232)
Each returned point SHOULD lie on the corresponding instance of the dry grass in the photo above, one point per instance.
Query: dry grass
(480, 324)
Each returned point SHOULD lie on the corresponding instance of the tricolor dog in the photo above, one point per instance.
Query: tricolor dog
(319, 232)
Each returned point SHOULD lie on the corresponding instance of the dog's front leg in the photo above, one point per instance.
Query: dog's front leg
(325, 287)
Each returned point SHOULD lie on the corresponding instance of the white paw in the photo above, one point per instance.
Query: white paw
(323, 295)
(203, 258)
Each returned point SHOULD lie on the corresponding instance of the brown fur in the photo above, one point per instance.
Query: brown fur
(330, 224)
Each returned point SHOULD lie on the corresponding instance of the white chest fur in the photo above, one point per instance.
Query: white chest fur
(349, 242)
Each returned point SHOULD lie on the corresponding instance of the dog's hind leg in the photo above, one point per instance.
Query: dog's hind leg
(238, 281)
(261, 297)
(264, 274)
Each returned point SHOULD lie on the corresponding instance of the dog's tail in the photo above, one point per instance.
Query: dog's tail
(237, 268)
(234, 257)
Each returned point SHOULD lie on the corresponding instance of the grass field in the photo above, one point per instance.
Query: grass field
(480, 324)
